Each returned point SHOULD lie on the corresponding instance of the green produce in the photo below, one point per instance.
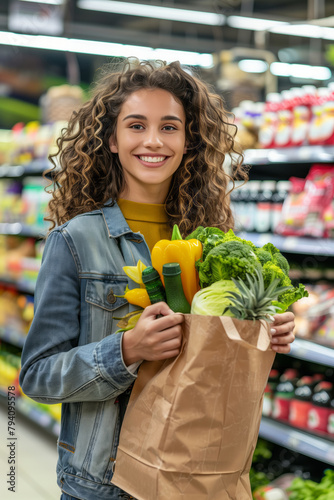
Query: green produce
(213, 299)
(254, 300)
(301, 489)
(226, 256)
(232, 259)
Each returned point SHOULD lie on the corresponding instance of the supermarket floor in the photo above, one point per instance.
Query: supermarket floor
(36, 458)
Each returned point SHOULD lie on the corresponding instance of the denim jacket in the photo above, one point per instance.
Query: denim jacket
(72, 354)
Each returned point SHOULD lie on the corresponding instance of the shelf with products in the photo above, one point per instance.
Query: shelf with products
(306, 237)
(297, 440)
(12, 336)
(292, 244)
(46, 416)
(35, 167)
(40, 417)
(292, 155)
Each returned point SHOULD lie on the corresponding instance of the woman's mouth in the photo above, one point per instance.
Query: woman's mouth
(152, 160)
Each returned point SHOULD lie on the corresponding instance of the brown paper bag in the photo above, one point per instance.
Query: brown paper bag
(192, 422)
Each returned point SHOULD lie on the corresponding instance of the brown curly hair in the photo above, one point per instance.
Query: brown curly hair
(86, 174)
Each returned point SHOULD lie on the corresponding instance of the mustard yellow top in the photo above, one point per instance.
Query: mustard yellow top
(148, 218)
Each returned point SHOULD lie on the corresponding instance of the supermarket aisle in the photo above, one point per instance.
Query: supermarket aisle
(36, 462)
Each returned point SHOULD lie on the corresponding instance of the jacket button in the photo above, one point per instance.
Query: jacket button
(111, 297)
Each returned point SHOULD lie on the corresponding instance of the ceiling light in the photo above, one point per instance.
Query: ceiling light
(300, 71)
(104, 48)
(48, 2)
(153, 11)
(308, 30)
(253, 65)
(252, 23)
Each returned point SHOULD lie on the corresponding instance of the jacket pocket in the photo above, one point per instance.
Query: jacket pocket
(104, 294)
(102, 303)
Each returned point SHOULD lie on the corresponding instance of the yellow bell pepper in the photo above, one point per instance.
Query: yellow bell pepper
(186, 253)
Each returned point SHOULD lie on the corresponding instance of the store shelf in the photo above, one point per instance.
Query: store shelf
(22, 286)
(36, 167)
(34, 414)
(297, 440)
(309, 351)
(301, 154)
(292, 244)
(18, 229)
(12, 336)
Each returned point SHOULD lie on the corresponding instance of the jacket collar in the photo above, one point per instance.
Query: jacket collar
(114, 220)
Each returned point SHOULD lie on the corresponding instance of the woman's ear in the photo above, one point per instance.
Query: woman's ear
(185, 148)
(113, 145)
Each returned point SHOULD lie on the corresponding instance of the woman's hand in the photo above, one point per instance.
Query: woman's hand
(282, 332)
(154, 337)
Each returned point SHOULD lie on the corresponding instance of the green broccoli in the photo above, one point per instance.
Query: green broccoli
(263, 256)
(269, 253)
(233, 259)
(269, 247)
(230, 236)
(271, 271)
(281, 262)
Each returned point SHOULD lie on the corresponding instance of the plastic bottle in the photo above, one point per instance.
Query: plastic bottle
(264, 207)
(301, 402)
(284, 394)
(252, 200)
(268, 397)
(330, 423)
(319, 413)
(173, 288)
(153, 285)
(278, 198)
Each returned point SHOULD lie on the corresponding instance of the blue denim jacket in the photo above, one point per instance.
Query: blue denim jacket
(72, 354)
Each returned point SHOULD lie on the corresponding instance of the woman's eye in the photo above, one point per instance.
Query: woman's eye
(169, 127)
(136, 126)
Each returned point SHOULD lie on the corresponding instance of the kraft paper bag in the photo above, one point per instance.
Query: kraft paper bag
(192, 422)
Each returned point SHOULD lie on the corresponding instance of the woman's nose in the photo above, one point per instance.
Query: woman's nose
(152, 139)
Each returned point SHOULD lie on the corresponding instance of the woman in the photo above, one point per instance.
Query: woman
(145, 152)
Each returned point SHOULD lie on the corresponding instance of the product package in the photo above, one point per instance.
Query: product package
(307, 209)
(192, 422)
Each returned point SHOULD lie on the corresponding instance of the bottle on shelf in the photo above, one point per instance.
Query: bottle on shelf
(278, 198)
(284, 393)
(319, 413)
(264, 207)
(301, 402)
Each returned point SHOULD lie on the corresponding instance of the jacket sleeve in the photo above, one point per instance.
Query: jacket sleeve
(55, 367)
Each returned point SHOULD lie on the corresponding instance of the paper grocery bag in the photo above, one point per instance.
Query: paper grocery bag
(192, 422)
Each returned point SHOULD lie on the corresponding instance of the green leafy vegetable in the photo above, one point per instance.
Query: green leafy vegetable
(301, 489)
(212, 300)
(232, 259)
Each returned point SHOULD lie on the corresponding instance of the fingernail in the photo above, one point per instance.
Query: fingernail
(274, 341)
(272, 331)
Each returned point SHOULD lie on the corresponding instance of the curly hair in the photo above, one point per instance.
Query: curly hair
(86, 174)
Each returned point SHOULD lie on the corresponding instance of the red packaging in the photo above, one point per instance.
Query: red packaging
(319, 413)
(301, 402)
(284, 394)
(303, 212)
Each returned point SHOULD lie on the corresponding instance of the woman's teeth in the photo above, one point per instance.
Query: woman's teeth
(152, 159)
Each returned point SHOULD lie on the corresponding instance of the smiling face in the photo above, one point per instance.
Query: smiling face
(150, 142)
